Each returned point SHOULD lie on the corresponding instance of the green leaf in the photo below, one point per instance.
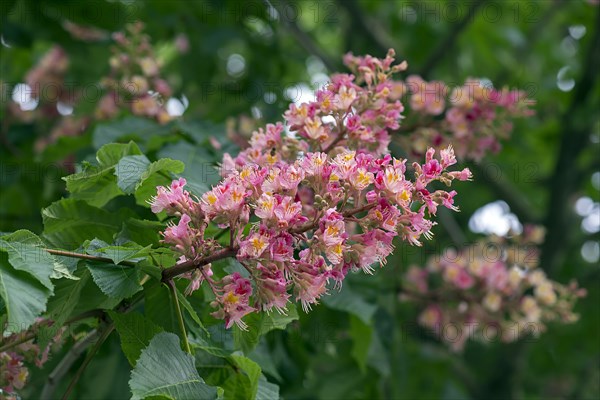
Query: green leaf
(24, 297)
(199, 170)
(361, 334)
(129, 172)
(188, 307)
(351, 302)
(135, 331)
(159, 308)
(266, 390)
(110, 154)
(243, 383)
(130, 252)
(163, 369)
(62, 303)
(69, 222)
(259, 324)
(141, 231)
(158, 173)
(147, 189)
(130, 127)
(97, 184)
(135, 174)
(263, 357)
(116, 281)
(26, 253)
(164, 164)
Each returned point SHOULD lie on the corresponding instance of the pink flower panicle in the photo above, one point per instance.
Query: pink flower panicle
(325, 198)
(14, 370)
(135, 80)
(474, 117)
(489, 291)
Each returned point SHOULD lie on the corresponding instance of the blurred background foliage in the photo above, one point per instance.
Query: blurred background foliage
(249, 59)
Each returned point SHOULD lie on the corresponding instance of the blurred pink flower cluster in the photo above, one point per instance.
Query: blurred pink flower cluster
(489, 291)
(307, 202)
(133, 84)
(14, 371)
(474, 118)
(134, 81)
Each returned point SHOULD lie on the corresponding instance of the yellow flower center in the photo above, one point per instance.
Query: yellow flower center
(211, 198)
(404, 195)
(231, 298)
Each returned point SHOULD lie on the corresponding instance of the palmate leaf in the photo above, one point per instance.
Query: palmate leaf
(120, 169)
(69, 222)
(128, 252)
(243, 383)
(116, 281)
(135, 331)
(25, 253)
(163, 369)
(266, 390)
(129, 171)
(157, 173)
(97, 184)
(24, 296)
(134, 171)
(61, 305)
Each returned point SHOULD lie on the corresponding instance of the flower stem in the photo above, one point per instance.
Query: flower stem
(179, 315)
(103, 336)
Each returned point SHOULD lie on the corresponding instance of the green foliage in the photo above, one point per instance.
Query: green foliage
(243, 384)
(96, 183)
(163, 369)
(261, 323)
(349, 301)
(116, 281)
(360, 342)
(135, 331)
(69, 222)
(24, 296)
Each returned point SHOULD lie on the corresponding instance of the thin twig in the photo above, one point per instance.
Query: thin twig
(366, 29)
(66, 363)
(83, 256)
(302, 37)
(103, 336)
(449, 39)
(173, 289)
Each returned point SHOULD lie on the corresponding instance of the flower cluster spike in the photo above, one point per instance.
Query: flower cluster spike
(490, 291)
(307, 204)
(134, 81)
(14, 370)
(473, 117)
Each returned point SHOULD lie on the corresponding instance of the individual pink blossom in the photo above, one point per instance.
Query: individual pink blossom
(234, 302)
(172, 199)
(271, 288)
